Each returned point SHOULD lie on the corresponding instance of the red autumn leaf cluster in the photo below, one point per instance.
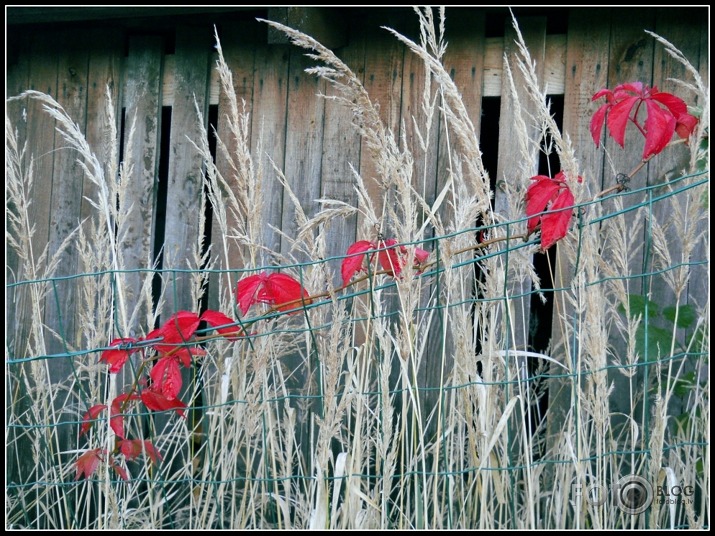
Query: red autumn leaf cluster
(276, 289)
(666, 114)
(132, 448)
(392, 259)
(554, 196)
(171, 338)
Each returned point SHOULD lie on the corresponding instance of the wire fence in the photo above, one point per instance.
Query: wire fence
(370, 408)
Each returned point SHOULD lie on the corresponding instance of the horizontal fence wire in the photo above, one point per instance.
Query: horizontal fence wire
(81, 358)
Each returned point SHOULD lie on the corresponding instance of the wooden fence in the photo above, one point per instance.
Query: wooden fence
(155, 77)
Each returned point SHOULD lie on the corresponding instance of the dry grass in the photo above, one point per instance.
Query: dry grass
(319, 419)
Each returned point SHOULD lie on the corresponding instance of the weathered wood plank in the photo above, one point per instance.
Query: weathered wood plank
(341, 149)
(384, 58)
(325, 24)
(554, 75)
(239, 54)
(304, 144)
(517, 162)
(268, 131)
(184, 208)
(587, 69)
(141, 94)
(105, 65)
(420, 121)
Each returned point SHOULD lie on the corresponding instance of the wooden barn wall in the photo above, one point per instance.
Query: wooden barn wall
(309, 138)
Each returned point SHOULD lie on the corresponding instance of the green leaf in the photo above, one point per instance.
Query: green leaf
(658, 339)
(684, 385)
(637, 305)
(687, 315)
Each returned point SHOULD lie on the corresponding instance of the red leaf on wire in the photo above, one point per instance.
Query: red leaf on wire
(390, 260)
(166, 377)
(555, 196)
(354, 259)
(158, 402)
(666, 115)
(88, 462)
(538, 195)
(116, 419)
(176, 331)
(247, 291)
(276, 289)
(132, 448)
(225, 325)
(89, 416)
(116, 357)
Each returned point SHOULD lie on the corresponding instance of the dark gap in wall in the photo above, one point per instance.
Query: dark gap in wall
(122, 128)
(160, 200)
(208, 207)
(489, 144)
(541, 312)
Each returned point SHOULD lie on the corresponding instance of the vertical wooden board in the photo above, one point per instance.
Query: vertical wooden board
(304, 140)
(185, 182)
(384, 57)
(631, 59)
(341, 150)
(104, 71)
(586, 73)
(67, 179)
(677, 27)
(142, 99)
(510, 160)
(464, 61)
(418, 92)
(41, 135)
(268, 131)
(239, 53)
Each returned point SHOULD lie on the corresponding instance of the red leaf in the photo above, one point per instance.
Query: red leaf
(273, 289)
(176, 331)
(421, 255)
(88, 462)
(538, 195)
(354, 258)
(132, 448)
(247, 291)
(282, 288)
(659, 127)
(217, 319)
(555, 225)
(121, 471)
(89, 416)
(166, 377)
(116, 419)
(666, 114)
(597, 122)
(618, 117)
(686, 125)
(390, 260)
(158, 402)
(116, 358)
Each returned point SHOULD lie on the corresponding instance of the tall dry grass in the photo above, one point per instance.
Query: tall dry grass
(321, 419)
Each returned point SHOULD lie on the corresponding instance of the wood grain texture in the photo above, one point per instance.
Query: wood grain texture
(341, 150)
(383, 82)
(141, 93)
(239, 54)
(514, 167)
(304, 145)
(268, 132)
(185, 181)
